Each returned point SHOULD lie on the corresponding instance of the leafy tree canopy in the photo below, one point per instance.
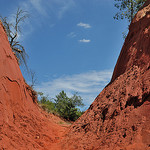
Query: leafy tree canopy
(127, 8)
(67, 107)
(46, 103)
(62, 105)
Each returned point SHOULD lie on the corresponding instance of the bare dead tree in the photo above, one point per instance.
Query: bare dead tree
(33, 79)
(13, 29)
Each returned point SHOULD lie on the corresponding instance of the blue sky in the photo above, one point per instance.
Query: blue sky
(73, 45)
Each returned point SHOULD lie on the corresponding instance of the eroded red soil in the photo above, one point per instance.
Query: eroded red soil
(23, 125)
(118, 119)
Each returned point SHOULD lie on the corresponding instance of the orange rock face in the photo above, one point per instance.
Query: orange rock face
(136, 49)
(119, 118)
(23, 126)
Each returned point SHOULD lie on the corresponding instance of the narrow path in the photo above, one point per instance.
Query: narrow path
(63, 130)
(60, 129)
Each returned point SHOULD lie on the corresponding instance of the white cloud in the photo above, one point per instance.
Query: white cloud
(72, 34)
(88, 85)
(37, 4)
(65, 5)
(84, 25)
(49, 8)
(39, 10)
(84, 41)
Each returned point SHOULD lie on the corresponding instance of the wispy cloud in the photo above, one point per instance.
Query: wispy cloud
(38, 5)
(12, 19)
(48, 8)
(84, 41)
(88, 85)
(65, 5)
(72, 34)
(41, 10)
(84, 25)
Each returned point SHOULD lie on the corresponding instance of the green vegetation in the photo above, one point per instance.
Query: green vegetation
(66, 107)
(46, 104)
(13, 30)
(127, 8)
(62, 105)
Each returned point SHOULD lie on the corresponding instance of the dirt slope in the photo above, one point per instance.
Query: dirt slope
(23, 126)
(119, 118)
(135, 50)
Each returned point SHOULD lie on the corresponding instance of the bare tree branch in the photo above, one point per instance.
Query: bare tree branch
(13, 30)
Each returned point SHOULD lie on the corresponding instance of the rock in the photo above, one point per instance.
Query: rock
(119, 118)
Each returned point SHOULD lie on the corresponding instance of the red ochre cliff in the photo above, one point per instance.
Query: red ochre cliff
(136, 49)
(119, 118)
(23, 125)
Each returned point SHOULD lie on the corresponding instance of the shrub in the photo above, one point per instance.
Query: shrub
(67, 107)
(62, 105)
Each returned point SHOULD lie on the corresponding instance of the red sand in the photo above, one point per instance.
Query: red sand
(23, 125)
(118, 119)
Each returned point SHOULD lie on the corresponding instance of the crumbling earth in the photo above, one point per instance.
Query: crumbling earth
(118, 119)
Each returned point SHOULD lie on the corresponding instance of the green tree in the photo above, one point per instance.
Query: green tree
(127, 8)
(13, 30)
(67, 107)
(46, 104)
(62, 105)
